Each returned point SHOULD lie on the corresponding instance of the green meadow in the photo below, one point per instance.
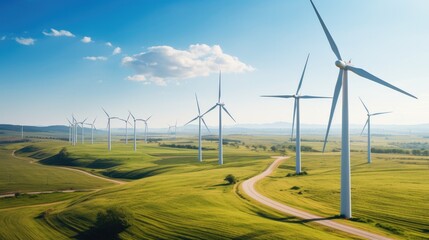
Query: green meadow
(168, 194)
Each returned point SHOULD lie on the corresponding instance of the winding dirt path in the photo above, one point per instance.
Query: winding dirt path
(249, 188)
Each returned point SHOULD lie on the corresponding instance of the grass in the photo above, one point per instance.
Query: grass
(181, 199)
(172, 196)
(390, 194)
(20, 175)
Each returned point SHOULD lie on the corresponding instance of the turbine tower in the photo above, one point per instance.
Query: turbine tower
(296, 117)
(368, 122)
(342, 84)
(221, 106)
(126, 128)
(74, 130)
(200, 119)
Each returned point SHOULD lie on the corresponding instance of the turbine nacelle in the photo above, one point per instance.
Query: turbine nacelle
(341, 64)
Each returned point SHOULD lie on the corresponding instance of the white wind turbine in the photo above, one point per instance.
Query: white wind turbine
(221, 106)
(296, 117)
(83, 130)
(109, 132)
(126, 128)
(74, 130)
(368, 122)
(135, 126)
(342, 84)
(146, 128)
(92, 130)
(200, 119)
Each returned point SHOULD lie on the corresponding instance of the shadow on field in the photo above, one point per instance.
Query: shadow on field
(294, 219)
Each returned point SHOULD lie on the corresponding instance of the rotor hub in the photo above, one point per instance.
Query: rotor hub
(341, 64)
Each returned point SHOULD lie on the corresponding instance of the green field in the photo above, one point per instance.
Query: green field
(170, 195)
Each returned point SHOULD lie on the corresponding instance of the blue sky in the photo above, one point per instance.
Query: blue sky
(261, 46)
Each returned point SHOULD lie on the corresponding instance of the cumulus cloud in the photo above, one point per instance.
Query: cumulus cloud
(109, 44)
(86, 39)
(165, 62)
(116, 51)
(141, 78)
(60, 33)
(95, 58)
(25, 41)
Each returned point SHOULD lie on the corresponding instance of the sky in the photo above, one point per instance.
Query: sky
(152, 57)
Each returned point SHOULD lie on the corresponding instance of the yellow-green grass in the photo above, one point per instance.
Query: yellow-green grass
(21, 175)
(186, 199)
(25, 200)
(392, 191)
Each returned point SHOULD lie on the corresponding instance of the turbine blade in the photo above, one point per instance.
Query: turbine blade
(205, 124)
(373, 78)
(132, 115)
(328, 35)
(94, 120)
(309, 96)
(220, 86)
(209, 110)
(148, 119)
(293, 121)
(198, 105)
(364, 106)
(191, 120)
(105, 112)
(224, 108)
(380, 113)
(337, 91)
(128, 118)
(278, 96)
(302, 76)
(366, 123)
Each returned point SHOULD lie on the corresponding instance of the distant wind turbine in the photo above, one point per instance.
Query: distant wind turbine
(70, 131)
(109, 132)
(342, 84)
(368, 122)
(221, 106)
(146, 128)
(200, 119)
(296, 116)
(83, 130)
(135, 126)
(92, 130)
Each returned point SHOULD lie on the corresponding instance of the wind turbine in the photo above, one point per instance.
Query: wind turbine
(92, 130)
(135, 125)
(342, 84)
(200, 119)
(81, 125)
(368, 122)
(74, 130)
(221, 106)
(146, 128)
(109, 132)
(126, 128)
(296, 116)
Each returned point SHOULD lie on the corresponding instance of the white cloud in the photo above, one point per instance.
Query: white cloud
(165, 62)
(60, 33)
(116, 51)
(95, 58)
(109, 44)
(86, 39)
(3, 38)
(142, 78)
(25, 41)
